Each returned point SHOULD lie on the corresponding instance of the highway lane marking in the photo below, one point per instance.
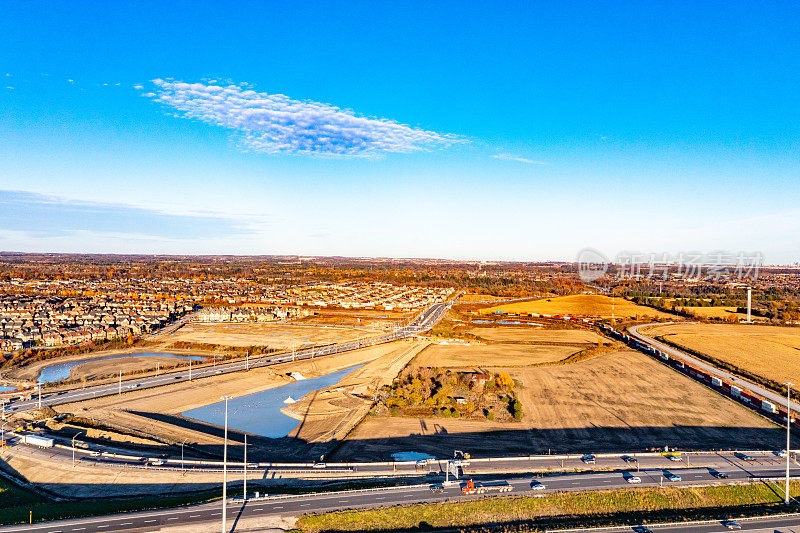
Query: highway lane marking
(148, 521)
(193, 515)
(102, 526)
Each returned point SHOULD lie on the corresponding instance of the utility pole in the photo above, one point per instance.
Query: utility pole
(225, 470)
(788, 433)
(190, 370)
(158, 368)
(244, 497)
(120, 381)
(39, 388)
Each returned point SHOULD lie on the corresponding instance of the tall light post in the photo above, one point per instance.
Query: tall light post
(73, 447)
(225, 470)
(182, 443)
(244, 488)
(788, 433)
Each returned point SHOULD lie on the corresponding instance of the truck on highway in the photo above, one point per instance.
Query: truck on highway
(482, 488)
(36, 440)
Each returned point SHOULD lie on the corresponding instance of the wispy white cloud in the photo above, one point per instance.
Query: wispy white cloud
(509, 157)
(275, 123)
(138, 87)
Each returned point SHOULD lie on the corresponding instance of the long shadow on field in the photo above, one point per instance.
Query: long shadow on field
(510, 442)
(595, 439)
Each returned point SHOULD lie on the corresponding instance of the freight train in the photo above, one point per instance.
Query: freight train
(747, 398)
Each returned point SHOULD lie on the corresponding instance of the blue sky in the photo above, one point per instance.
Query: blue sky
(455, 130)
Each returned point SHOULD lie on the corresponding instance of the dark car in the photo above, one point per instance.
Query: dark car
(437, 489)
(629, 459)
(730, 524)
(719, 475)
(589, 458)
(642, 529)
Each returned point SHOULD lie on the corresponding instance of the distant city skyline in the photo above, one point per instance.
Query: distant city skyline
(452, 130)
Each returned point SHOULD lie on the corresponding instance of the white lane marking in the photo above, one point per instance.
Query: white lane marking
(278, 507)
(193, 515)
(259, 509)
(301, 505)
(98, 527)
(148, 521)
(126, 523)
(173, 518)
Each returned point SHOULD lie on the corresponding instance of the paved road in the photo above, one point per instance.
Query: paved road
(774, 397)
(294, 505)
(422, 323)
(764, 524)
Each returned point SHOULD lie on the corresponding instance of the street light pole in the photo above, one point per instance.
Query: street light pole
(182, 443)
(788, 433)
(225, 470)
(73, 447)
(245, 468)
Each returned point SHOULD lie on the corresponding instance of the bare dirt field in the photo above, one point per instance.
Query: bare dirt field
(470, 298)
(716, 312)
(96, 369)
(491, 355)
(535, 335)
(772, 352)
(280, 336)
(509, 346)
(362, 318)
(580, 304)
(619, 401)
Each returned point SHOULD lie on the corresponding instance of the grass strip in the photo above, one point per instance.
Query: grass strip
(570, 509)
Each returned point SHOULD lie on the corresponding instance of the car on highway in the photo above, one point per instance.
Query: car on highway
(589, 459)
(672, 477)
(633, 479)
(537, 485)
(437, 488)
(730, 524)
(156, 462)
(780, 453)
(95, 454)
(674, 457)
(320, 465)
(719, 475)
(629, 459)
(642, 529)
(744, 456)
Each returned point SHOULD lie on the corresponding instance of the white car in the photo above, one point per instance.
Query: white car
(156, 462)
(673, 457)
(320, 465)
(781, 453)
(537, 485)
(633, 479)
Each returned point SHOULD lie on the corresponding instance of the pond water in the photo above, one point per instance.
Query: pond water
(59, 371)
(260, 413)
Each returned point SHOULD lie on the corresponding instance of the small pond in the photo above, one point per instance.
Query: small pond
(60, 371)
(260, 413)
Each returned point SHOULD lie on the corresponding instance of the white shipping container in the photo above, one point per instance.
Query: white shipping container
(768, 406)
(716, 381)
(735, 391)
(36, 440)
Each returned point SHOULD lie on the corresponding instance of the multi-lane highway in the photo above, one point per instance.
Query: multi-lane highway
(736, 471)
(774, 397)
(421, 323)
